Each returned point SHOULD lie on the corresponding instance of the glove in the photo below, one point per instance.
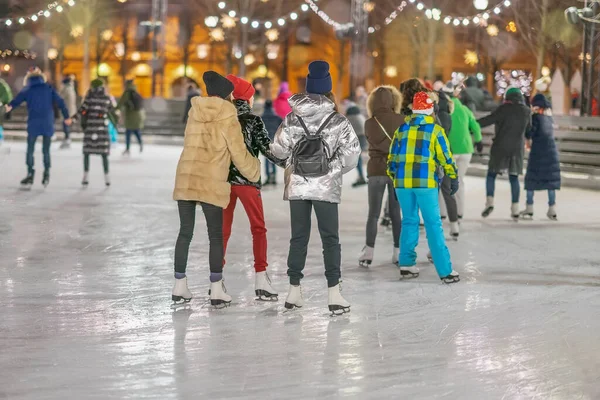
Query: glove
(453, 186)
(479, 147)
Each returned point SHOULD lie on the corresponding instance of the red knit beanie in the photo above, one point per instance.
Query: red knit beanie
(243, 90)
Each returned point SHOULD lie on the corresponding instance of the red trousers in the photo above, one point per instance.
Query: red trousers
(252, 202)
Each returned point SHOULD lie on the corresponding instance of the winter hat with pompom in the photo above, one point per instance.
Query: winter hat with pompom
(318, 80)
(422, 104)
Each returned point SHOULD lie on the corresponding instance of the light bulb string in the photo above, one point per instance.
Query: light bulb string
(54, 7)
(255, 22)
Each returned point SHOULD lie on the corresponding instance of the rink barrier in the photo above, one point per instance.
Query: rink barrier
(578, 143)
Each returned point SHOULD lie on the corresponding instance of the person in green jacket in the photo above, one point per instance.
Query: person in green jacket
(5, 98)
(464, 124)
(131, 105)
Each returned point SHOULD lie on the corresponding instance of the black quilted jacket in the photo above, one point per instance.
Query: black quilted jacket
(257, 142)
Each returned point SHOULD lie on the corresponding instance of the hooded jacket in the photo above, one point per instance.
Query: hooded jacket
(40, 98)
(280, 104)
(134, 119)
(257, 142)
(512, 119)
(213, 140)
(383, 105)
(339, 136)
(463, 125)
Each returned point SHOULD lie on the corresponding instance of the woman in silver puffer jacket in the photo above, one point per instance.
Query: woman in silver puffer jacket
(321, 193)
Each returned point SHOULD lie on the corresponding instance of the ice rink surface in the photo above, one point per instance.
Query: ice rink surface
(86, 276)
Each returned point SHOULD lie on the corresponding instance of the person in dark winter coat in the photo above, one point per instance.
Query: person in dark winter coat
(357, 120)
(95, 115)
(40, 98)
(192, 91)
(272, 122)
(383, 106)
(512, 120)
(131, 105)
(257, 142)
(543, 165)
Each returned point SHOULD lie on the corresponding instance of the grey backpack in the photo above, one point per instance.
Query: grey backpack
(310, 157)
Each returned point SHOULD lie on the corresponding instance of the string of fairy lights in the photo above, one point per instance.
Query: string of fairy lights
(431, 13)
(46, 12)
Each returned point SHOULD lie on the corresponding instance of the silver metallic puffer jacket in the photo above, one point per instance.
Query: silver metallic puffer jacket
(338, 134)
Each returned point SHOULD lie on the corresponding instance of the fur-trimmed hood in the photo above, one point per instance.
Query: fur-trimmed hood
(386, 98)
(33, 74)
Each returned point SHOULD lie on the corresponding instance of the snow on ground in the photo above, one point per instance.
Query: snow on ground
(86, 275)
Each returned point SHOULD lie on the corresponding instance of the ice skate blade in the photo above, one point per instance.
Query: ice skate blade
(486, 213)
(451, 279)
(454, 237)
(408, 275)
(26, 188)
(263, 295)
(365, 263)
(553, 217)
(218, 303)
(180, 299)
(526, 216)
(338, 310)
(291, 306)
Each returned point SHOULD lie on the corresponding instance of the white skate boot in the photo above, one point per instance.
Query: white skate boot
(107, 180)
(337, 304)
(409, 272)
(218, 294)
(294, 298)
(66, 144)
(366, 256)
(489, 207)
(452, 278)
(514, 211)
(396, 256)
(181, 294)
(527, 213)
(552, 213)
(263, 289)
(429, 256)
(454, 230)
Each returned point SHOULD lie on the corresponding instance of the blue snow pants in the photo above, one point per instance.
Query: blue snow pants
(411, 200)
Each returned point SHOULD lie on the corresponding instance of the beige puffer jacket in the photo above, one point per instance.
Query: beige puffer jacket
(213, 140)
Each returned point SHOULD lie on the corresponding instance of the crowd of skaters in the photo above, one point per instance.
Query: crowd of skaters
(420, 140)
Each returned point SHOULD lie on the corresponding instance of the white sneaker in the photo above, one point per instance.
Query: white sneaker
(366, 256)
(552, 213)
(218, 294)
(263, 289)
(409, 272)
(396, 256)
(454, 230)
(337, 304)
(452, 278)
(294, 298)
(181, 294)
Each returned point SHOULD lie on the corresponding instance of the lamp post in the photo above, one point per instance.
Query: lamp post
(480, 5)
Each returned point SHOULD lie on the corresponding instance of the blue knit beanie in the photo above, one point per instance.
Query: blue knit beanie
(318, 80)
(541, 101)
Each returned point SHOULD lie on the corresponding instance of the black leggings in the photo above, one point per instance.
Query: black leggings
(214, 223)
(86, 162)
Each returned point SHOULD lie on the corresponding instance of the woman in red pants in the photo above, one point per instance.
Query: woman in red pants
(257, 142)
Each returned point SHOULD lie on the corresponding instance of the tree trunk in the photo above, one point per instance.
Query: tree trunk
(85, 79)
(125, 50)
(541, 52)
(431, 39)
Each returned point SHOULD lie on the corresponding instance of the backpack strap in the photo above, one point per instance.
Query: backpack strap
(323, 125)
(382, 128)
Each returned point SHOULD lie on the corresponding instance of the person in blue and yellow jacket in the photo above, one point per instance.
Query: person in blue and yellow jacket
(420, 145)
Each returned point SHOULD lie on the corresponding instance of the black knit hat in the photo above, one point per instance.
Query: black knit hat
(217, 85)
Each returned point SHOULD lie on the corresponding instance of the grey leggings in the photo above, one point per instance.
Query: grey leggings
(377, 186)
(214, 223)
(86, 162)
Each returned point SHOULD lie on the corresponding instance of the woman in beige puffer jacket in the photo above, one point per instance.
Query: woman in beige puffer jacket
(213, 140)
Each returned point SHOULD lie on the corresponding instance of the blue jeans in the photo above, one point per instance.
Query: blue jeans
(551, 197)
(66, 130)
(411, 200)
(47, 140)
(270, 169)
(128, 133)
(1, 132)
(490, 185)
